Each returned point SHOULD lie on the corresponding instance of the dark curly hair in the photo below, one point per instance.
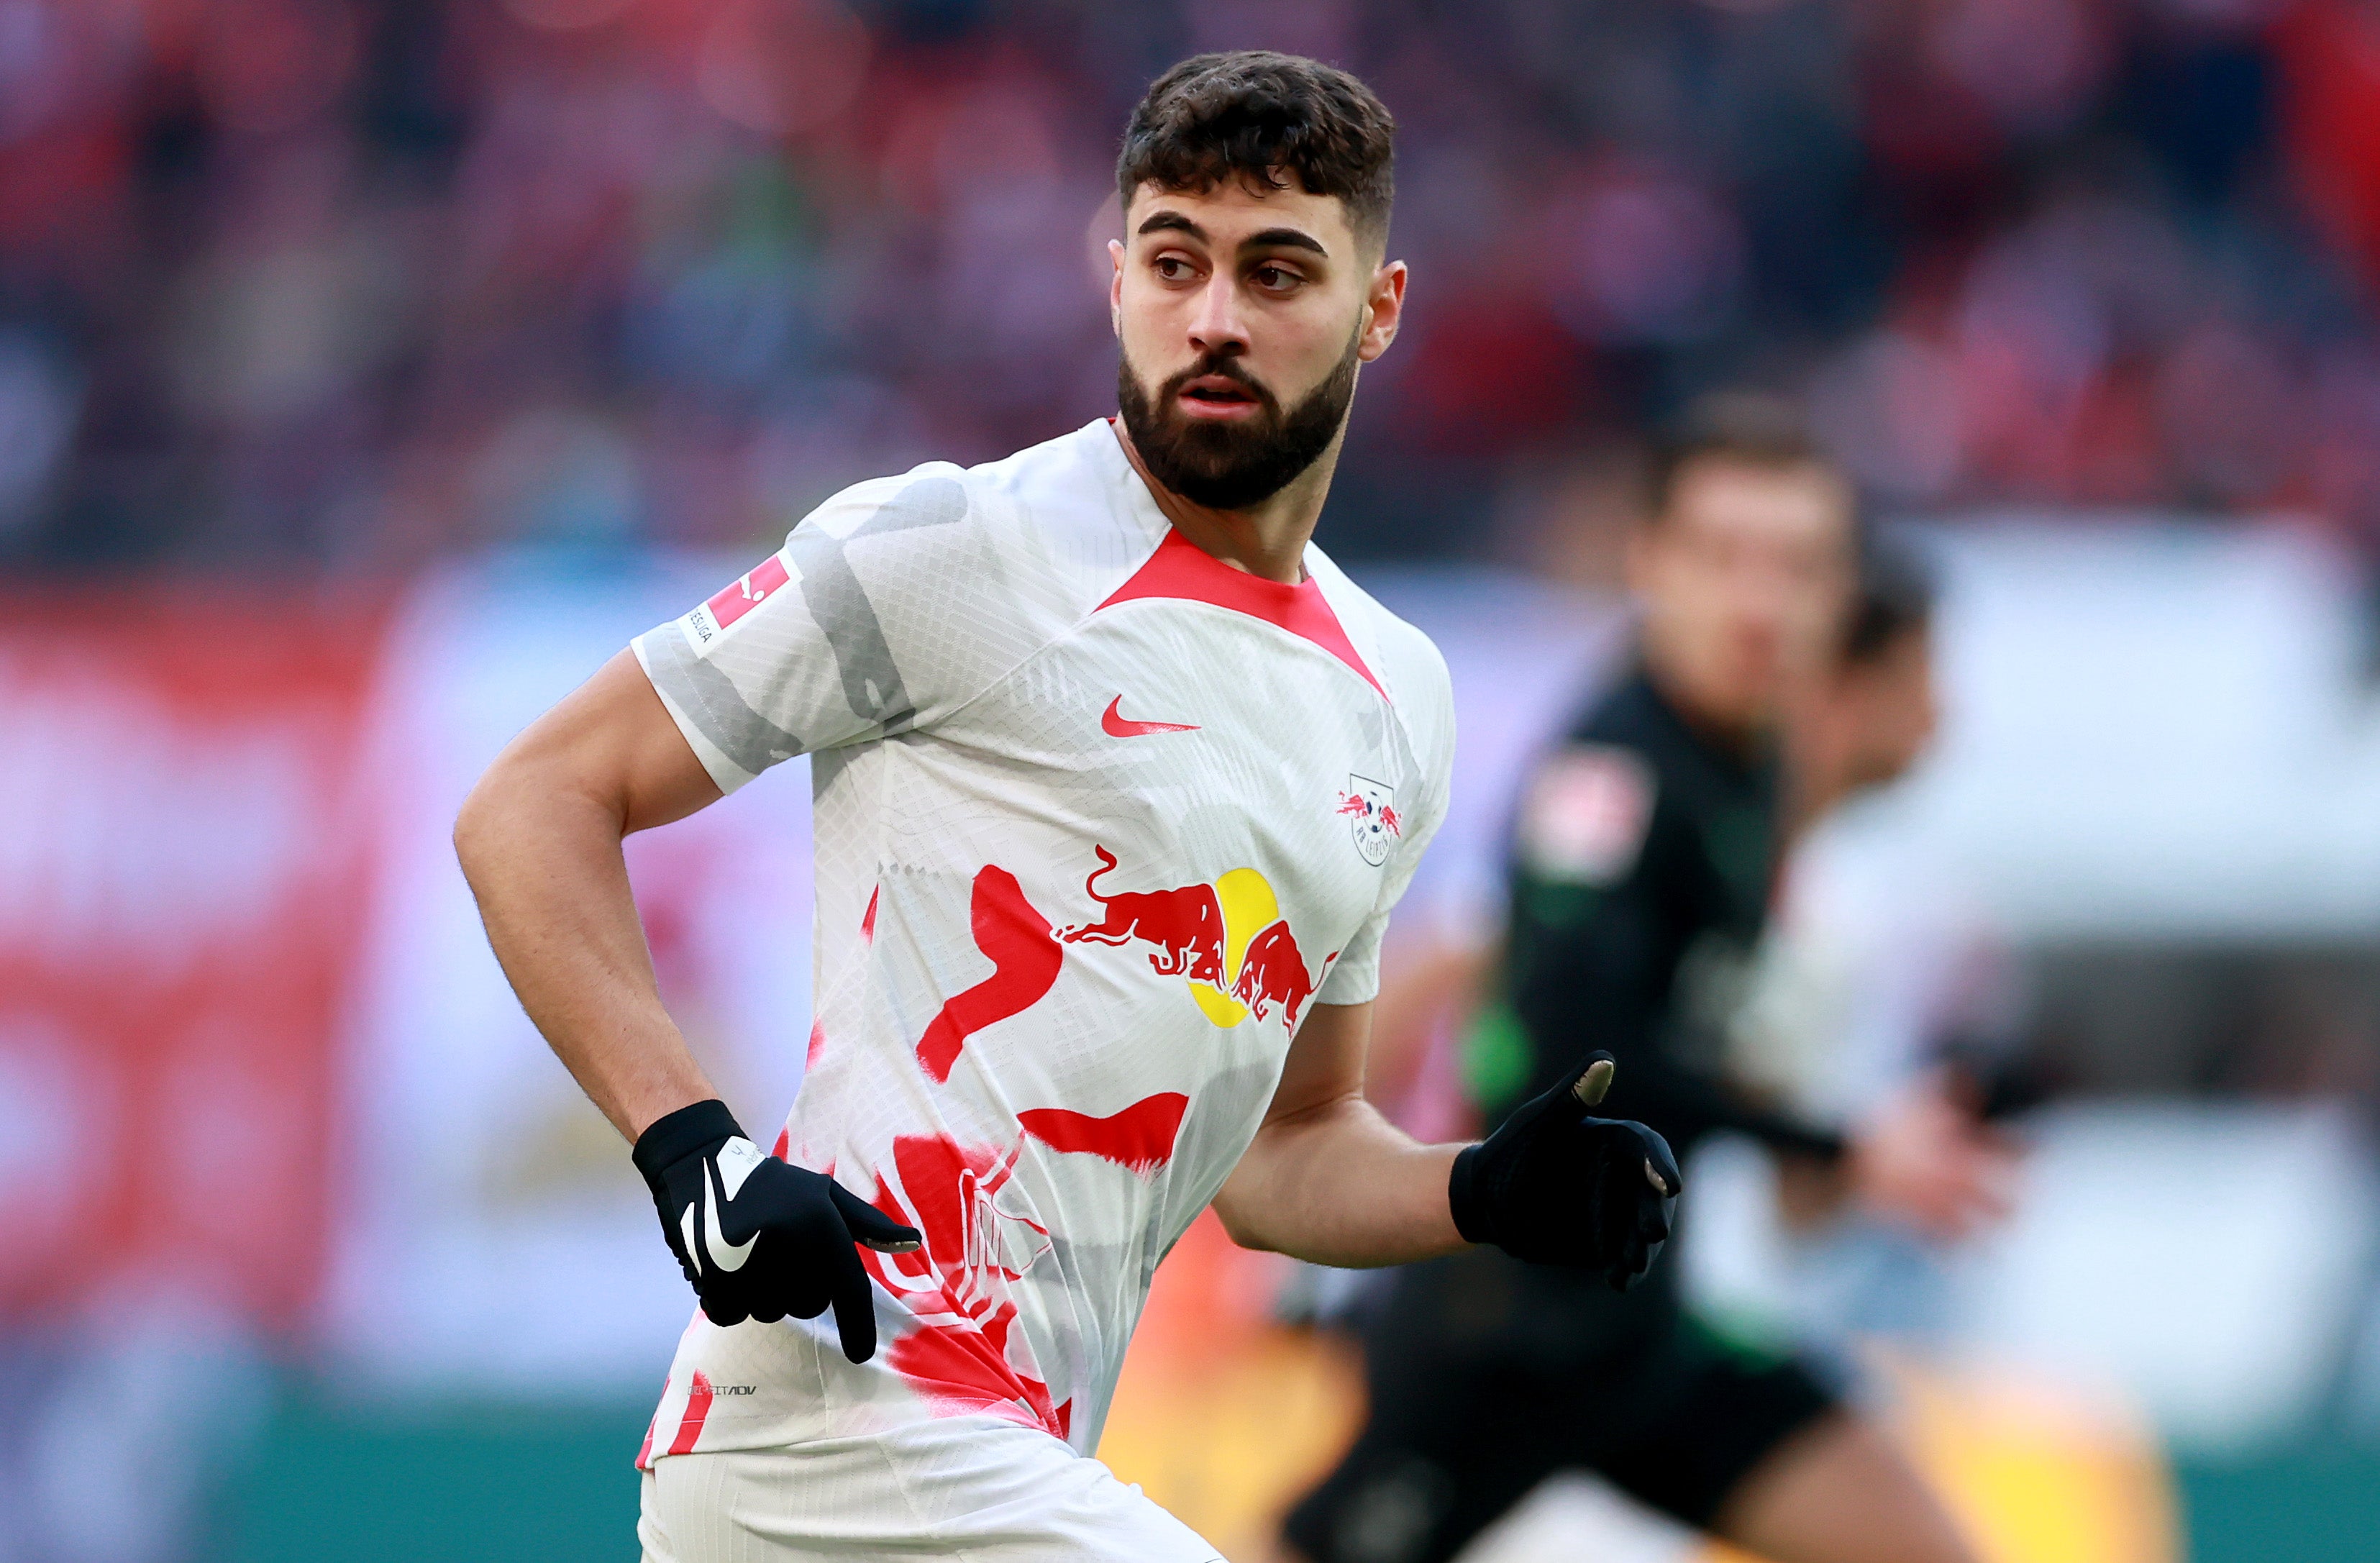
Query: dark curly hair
(1263, 116)
(1739, 428)
(1895, 598)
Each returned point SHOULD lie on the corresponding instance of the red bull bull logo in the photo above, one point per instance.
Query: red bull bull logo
(1185, 923)
(1272, 975)
(1228, 941)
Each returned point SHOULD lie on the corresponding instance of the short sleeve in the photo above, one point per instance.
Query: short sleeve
(888, 607)
(1354, 976)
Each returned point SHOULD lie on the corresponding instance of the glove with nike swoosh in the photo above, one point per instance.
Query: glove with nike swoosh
(1556, 1186)
(756, 1238)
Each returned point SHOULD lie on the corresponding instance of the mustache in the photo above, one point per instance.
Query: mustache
(1223, 366)
(1232, 465)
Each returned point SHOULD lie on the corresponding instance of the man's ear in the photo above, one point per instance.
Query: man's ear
(1386, 305)
(1115, 288)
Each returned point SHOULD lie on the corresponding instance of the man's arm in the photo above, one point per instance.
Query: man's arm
(1327, 1177)
(540, 841)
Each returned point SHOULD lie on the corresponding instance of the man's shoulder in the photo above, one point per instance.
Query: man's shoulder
(1411, 668)
(1074, 459)
(1047, 529)
(1627, 714)
(1069, 485)
(1413, 658)
(1074, 496)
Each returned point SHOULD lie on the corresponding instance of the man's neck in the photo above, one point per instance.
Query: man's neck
(1267, 539)
(1732, 734)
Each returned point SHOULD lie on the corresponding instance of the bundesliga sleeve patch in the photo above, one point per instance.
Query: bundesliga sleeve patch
(708, 625)
(1586, 815)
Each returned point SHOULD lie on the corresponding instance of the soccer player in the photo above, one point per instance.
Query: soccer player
(1116, 778)
(1866, 719)
(1862, 1012)
(1642, 870)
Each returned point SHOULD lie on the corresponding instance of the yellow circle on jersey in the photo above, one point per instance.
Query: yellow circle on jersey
(1249, 907)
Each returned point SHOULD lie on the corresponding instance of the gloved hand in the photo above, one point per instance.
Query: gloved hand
(1555, 1186)
(758, 1239)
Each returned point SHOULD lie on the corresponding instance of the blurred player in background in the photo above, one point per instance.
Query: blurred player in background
(1117, 778)
(1870, 1003)
(1868, 717)
(1645, 857)
(1860, 724)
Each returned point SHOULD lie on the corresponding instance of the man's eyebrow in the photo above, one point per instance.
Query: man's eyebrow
(1268, 238)
(1284, 238)
(1162, 222)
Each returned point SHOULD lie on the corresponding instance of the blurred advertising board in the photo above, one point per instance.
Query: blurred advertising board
(183, 873)
(254, 1051)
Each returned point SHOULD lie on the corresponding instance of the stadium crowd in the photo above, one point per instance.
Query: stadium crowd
(353, 283)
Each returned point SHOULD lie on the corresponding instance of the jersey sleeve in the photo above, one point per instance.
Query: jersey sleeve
(889, 606)
(1354, 976)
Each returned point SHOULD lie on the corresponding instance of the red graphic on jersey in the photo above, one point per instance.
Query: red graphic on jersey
(1180, 568)
(697, 1407)
(868, 921)
(783, 1150)
(1025, 961)
(1273, 972)
(1140, 1137)
(734, 601)
(964, 1356)
(1115, 724)
(1186, 925)
(818, 1045)
(1388, 818)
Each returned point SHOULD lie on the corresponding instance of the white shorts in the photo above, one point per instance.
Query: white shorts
(974, 1488)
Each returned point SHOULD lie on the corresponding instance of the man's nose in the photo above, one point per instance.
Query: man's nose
(1217, 325)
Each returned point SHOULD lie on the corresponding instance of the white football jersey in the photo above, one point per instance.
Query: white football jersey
(1100, 819)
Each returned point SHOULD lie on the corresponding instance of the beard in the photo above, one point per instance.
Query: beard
(1234, 465)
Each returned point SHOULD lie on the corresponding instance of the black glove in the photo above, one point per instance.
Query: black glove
(1554, 1186)
(758, 1239)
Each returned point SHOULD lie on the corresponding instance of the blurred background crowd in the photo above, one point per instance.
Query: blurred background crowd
(332, 283)
(370, 370)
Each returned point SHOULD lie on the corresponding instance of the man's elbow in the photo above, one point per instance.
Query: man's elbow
(513, 788)
(1239, 1226)
(477, 823)
(1246, 1235)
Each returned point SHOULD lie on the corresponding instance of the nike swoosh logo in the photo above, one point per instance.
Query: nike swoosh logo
(727, 1256)
(1116, 725)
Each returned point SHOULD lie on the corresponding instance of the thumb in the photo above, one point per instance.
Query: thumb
(1594, 1080)
(868, 1225)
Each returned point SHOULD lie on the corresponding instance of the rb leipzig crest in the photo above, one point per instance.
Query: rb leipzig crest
(1371, 810)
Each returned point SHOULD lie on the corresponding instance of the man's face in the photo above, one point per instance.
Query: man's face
(1743, 584)
(1243, 312)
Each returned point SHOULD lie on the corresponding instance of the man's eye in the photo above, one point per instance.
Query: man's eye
(1173, 268)
(1277, 279)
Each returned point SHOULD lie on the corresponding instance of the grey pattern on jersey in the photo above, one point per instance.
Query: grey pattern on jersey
(872, 681)
(705, 693)
(743, 695)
